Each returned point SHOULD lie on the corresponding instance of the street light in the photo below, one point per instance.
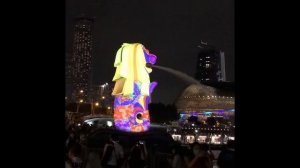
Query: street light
(108, 108)
(78, 104)
(81, 91)
(92, 107)
(103, 97)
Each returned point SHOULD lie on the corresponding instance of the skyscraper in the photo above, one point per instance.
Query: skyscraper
(82, 59)
(210, 64)
(68, 76)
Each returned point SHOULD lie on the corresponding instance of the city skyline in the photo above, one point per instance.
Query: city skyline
(170, 29)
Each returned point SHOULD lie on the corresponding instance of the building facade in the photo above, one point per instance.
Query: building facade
(82, 60)
(68, 77)
(210, 64)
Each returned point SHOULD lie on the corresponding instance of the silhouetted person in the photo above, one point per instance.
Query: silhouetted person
(93, 159)
(75, 155)
(138, 156)
(206, 148)
(113, 153)
(226, 157)
(177, 160)
(201, 157)
(68, 164)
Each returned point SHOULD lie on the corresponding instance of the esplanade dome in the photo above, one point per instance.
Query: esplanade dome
(199, 97)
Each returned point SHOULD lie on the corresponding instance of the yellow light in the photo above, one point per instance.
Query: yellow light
(103, 97)
(97, 104)
(108, 108)
(81, 91)
(81, 101)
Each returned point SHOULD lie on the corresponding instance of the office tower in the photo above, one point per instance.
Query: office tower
(82, 59)
(210, 65)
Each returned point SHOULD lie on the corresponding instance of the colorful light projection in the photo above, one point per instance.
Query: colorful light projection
(132, 89)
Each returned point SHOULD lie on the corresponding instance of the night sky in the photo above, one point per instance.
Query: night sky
(171, 29)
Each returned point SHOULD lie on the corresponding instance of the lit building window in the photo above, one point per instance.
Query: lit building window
(207, 65)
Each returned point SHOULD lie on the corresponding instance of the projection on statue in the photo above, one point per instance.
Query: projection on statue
(132, 88)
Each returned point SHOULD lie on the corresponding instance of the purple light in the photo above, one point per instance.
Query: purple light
(194, 113)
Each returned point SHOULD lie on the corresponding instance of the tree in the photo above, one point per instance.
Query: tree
(211, 121)
(160, 113)
(193, 119)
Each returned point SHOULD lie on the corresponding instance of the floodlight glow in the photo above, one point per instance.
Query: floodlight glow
(109, 123)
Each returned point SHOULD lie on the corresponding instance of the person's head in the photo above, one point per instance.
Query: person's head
(230, 144)
(176, 149)
(76, 149)
(197, 149)
(136, 152)
(72, 135)
(114, 137)
(205, 147)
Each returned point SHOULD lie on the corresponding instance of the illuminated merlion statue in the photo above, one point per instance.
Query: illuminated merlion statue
(132, 88)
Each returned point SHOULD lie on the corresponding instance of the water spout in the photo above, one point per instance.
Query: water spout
(181, 75)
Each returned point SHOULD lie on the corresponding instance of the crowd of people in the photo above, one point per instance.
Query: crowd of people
(199, 155)
(139, 155)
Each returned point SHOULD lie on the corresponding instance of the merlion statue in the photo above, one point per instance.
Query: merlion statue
(132, 88)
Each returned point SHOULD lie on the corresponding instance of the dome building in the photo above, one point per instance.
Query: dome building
(204, 101)
(202, 98)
